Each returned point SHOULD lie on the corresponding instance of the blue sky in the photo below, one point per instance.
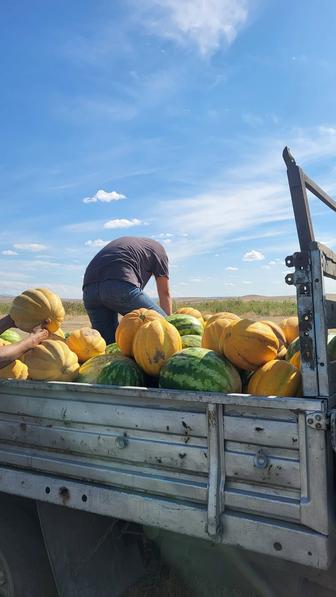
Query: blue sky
(165, 119)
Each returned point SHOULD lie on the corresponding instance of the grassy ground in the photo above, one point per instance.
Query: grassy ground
(258, 308)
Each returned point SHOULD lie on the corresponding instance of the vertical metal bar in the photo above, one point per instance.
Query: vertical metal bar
(221, 453)
(305, 308)
(321, 330)
(213, 484)
(302, 426)
(297, 186)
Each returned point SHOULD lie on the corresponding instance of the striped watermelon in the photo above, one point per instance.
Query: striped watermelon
(122, 371)
(191, 340)
(90, 370)
(200, 369)
(112, 349)
(332, 346)
(10, 336)
(186, 324)
(294, 347)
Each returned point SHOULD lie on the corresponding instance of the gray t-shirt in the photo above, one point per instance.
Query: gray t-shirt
(130, 259)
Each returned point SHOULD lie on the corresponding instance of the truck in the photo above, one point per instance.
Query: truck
(236, 490)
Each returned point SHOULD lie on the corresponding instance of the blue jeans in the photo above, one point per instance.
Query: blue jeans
(104, 300)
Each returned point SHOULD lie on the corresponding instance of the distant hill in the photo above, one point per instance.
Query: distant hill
(194, 299)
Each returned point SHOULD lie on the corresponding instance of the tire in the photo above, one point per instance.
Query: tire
(24, 565)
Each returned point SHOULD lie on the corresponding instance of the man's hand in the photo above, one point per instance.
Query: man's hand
(38, 335)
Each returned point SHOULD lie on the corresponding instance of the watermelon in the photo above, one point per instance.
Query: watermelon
(292, 348)
(200, 369)
(295, 347)
(122, 371)
(112, 349)
(90, 370)
(11, 336)
(191, 340)
(186, 324)
(332, 346)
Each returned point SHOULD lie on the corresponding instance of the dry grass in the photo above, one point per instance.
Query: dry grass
(262, 307)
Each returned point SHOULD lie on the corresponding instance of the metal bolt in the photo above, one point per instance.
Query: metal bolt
(310, 421)
(121, 442)
(318, 417)
(318, 425)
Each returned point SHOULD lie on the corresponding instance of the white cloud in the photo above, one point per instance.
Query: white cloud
(224, 212)
(247, 282)
(231, 269)
(207, 24)
(35, 247)
(196, 280)
(104, 197)
(9, 252)
(98, 242)
(253, 256)
(122, 223)
(163, 235)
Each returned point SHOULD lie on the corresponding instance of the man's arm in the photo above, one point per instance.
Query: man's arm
(10, 352)
(6, 323)
(162, 285)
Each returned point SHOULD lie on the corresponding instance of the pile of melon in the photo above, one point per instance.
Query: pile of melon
(184, 351)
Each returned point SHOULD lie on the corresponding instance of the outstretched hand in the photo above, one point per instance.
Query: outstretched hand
(38, 335)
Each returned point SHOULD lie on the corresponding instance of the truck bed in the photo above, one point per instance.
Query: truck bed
(236, 469)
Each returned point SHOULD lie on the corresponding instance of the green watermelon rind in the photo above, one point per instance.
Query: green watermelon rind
(293, 347)
(92, 368)
(122, 371)
(331, 346)
(10, 336)
(112, 349)
(191, 340)
(186, 324)
(200, 369)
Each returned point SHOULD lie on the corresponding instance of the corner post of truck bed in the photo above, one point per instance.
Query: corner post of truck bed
(297, 187)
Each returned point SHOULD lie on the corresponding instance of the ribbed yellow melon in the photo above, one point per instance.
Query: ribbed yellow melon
(60, 333)
(249, 344)
(154, 343)
(15, 370)
(52, 360)
(280, 334)
(213, 333)
(275, 378)
(33, 307)
(191, 311)
(290, 326)
(86, 343)
(129, 326)
(222, 315)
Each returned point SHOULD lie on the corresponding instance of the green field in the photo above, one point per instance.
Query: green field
(260, 308)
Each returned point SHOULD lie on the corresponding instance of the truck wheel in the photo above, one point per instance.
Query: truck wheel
(24, 565)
